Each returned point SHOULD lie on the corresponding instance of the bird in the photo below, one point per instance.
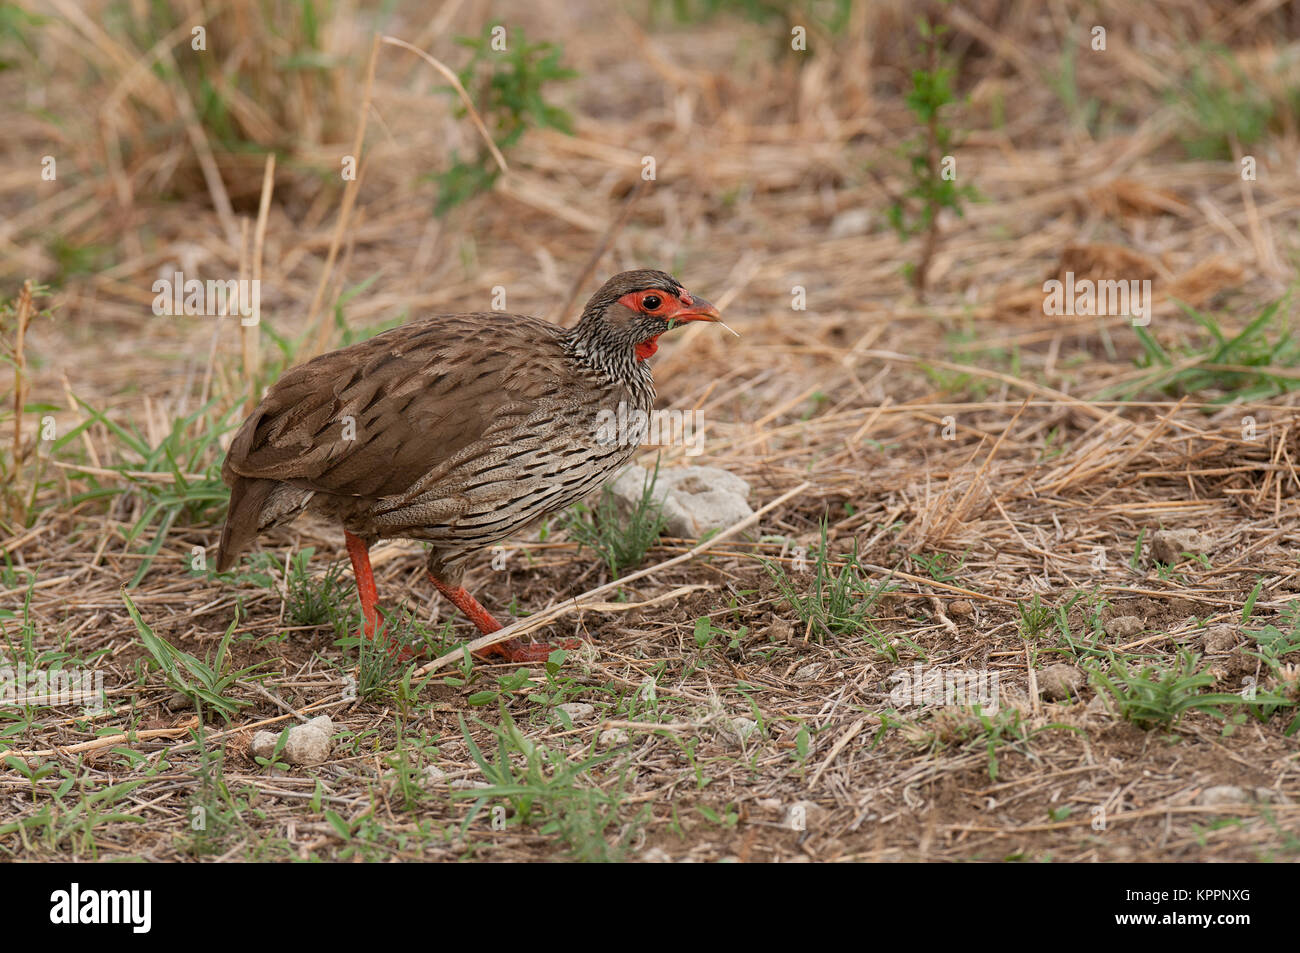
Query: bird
(457, 430)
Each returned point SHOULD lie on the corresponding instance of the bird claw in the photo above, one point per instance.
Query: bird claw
(519, 651)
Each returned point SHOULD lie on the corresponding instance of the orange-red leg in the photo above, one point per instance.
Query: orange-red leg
(359, 552)
(512, 650)
(369, 595)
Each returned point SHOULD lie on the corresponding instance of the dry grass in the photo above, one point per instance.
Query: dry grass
(980, 454)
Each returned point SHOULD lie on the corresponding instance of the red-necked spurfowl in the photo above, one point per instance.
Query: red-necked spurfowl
(458, 430)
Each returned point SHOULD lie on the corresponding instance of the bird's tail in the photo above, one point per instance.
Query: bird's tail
(248, 497)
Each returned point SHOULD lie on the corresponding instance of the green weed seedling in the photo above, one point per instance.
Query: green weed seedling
(543, 786)
(621, 543)
(1160, 695)
(509, 88)
(840, 599)
(201, 682)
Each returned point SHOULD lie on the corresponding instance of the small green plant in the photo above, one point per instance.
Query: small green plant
(1225, 367)
(1165, 572)
(280, 743)
(621, 542)
(936, 564)
(728, 819)
(179, 479)
(1159, 695)
(202, 682)
(24, 651)
(1135, 561)
(408, 763)
(381, 661)
(507, 686)
(543, 785)
(1275, 643)
(1274, 646)
(1221, 108)
(974, 728)
(508, 86)
(802, 747)
(706, 632)
(15, 25)
(1090, 642)
(67, 822)
(840, 600)
(214, 813)
(311, 601)
(932, 171)
(1035, 617)
(1249, 606)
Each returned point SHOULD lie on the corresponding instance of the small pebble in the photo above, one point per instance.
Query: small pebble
(1232, 794)
(1123, 626)
(961, 609)
(612, 737)
(1219, 640)
(1242, 663)
(1060, 681)
(578, 711)
(1168, 545)
(468, 784)
(737, 729)
(178, 702)
(306, 744)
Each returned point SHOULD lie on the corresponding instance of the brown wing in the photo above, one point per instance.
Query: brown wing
(416, 396)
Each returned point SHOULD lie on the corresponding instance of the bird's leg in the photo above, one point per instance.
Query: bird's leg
(512, 650)
(360, 554)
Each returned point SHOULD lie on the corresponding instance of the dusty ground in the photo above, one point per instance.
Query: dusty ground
(1002, 472)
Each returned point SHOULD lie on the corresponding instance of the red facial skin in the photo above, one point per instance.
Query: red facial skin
(683, 307)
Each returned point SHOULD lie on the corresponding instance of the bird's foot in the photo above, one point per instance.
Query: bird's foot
(511, 650)
(519, 651)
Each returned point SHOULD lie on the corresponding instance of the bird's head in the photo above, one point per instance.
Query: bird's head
(633, 308)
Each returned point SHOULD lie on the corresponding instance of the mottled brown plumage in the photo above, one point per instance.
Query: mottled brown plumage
(456, 429)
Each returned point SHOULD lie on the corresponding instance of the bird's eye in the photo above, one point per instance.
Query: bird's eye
(651, 302)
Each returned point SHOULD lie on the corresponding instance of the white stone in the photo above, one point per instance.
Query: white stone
(737, 729)
(1232, 794)
(307, 744)
(851, 221)
(468, 784)
(695, 500)
(578, 711)
(1168, 545)
(612, 737)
